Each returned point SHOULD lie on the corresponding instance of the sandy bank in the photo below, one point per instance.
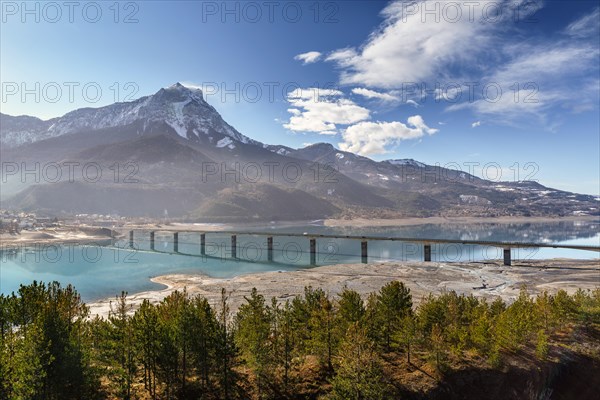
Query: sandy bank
(63, 235)
(489, 280)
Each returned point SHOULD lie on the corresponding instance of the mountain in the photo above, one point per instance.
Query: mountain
(172, 153)
(177, 108)
(264, 202)
(15, 131)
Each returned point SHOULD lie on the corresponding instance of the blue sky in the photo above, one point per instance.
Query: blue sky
(506, 85)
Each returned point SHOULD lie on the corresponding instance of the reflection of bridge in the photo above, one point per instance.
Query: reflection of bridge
(506, 246)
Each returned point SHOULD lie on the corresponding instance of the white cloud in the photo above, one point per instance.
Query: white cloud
(586, 26)
(414, 46)
(321, 110)
(367, 138)
(412, 103)
(542, 75)
(372, 94)
(316, 94)
(342, 56)
(537, 78)
(309, 57)
(450, 94)
(541, 62)
(476, 124)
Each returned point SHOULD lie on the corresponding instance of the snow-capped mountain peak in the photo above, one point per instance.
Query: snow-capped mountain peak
(178, 107)
(177, 90)
(178, 86)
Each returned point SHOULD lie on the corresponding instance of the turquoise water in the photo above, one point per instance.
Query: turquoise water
(105, 269)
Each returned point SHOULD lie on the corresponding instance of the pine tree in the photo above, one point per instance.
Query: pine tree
(285, 348)
(544, 303)
(542, 347)
(226, 350)
(6, 344)
(437, 345)
(122, 341)
(28, 372)
(322, 340)
(253, 324)
(144, 324)
(204, 331)
(481, 330)
(394, 302)
(50, 336)
(518, 322)
(563, 308)
(407, 334)
(350, 309)
(359, 374)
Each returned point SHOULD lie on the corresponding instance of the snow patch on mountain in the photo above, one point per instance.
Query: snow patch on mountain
(407, 161)
(177, 122)
(224, 142)
(22, 129)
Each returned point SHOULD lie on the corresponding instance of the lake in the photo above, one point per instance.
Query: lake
(105, 269)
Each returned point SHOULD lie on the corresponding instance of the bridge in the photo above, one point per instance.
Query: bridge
(364, 241)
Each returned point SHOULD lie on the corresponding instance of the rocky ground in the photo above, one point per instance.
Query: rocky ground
(482, 279)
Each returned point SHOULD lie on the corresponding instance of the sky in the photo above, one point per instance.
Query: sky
(507, 90)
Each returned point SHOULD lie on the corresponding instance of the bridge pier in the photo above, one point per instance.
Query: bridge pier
(363, 251)
(270, 248)
(203, 244)
(131, 239)
(507, 260)
(176, 242)
(152, 240)
(313, 251)
(427, 252)
(233, 246)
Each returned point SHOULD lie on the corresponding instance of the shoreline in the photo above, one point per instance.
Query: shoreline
(66, 235)
(177, 226)
(365, 222)
(488, 279)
